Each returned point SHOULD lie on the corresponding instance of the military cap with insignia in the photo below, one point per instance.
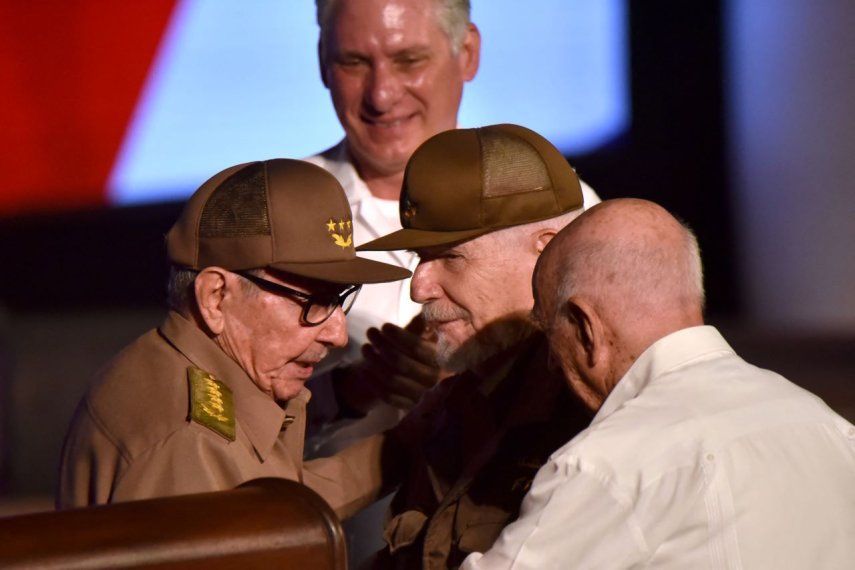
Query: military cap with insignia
(464, 183)
(282, 214)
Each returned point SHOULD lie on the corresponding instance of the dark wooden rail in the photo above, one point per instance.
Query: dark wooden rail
(266, 523)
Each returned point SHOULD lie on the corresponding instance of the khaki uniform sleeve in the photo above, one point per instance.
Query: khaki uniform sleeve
(94, 471)
(356, 476)
(90, 464)
(190, 460)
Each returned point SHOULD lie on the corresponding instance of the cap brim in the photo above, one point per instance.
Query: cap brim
(356, 270)
(415, 239)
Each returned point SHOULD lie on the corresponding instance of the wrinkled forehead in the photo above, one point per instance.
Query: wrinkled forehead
(474, 246)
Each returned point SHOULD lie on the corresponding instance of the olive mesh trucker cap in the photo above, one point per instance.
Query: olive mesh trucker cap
(283, 214)
(464, 183)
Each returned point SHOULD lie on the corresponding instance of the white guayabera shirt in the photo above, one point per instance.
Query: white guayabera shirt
(697, 459)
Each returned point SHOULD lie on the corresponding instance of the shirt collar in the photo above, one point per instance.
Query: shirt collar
(338, 164)
(663, 356)
(258, 414)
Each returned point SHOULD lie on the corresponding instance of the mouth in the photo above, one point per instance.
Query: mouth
(387, 122)
(305, 368)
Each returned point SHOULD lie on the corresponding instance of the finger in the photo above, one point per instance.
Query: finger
(405, 342)
(393, 362)
(391, 383)
(417, 326)
(400, 402)
(399, 363)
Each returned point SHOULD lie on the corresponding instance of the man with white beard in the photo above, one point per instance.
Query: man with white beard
(478, 206)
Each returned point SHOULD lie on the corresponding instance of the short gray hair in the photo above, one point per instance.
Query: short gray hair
(180, 293)
(453, 18)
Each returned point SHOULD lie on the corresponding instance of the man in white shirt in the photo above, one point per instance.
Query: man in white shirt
(695, 458)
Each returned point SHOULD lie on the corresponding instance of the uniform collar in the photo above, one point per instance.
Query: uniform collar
(663, 356)
(337, 162)
(258, 414)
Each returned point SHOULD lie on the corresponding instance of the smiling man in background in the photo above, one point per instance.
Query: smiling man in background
(263, 271)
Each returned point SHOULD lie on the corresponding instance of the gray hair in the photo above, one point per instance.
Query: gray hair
(180, 294)
(453, 18)
(641, 278)
(180, 288)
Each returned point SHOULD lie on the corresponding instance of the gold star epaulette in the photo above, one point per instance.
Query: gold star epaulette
(211, 403)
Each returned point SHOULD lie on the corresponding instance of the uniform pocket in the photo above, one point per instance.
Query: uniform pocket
(403, 529)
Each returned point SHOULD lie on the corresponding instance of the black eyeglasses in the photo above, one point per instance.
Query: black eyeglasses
(317, 308)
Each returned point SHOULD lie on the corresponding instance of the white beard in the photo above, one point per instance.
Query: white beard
(493, 339)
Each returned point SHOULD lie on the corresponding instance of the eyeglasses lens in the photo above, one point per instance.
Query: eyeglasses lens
(319, 310)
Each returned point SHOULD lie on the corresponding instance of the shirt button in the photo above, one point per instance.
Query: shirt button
(287, 422)
(710, 457)
(852, 432)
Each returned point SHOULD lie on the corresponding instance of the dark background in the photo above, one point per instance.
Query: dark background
(673, 154)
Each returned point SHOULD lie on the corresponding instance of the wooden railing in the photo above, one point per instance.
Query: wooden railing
(266, 523)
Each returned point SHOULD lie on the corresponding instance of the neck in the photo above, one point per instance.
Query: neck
(383, 185)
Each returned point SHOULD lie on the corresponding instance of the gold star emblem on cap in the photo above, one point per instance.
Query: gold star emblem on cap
(342, 239)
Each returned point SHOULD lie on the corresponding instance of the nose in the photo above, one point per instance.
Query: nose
(334, 329)
(384, 88)
(424, 287)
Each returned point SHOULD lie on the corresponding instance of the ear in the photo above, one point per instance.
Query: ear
(211, 287)
(470, 52)
(322, 64)
(542, 239)
(589, 331)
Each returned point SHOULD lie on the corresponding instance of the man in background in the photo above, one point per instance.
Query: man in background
(695, 458)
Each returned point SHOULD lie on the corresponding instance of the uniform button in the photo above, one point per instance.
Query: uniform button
(852, 432)
(710, 457)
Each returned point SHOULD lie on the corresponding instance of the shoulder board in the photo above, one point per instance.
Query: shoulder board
(211, 402)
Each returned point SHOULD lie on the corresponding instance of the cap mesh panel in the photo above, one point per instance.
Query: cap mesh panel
(238, 207)
(510, 166)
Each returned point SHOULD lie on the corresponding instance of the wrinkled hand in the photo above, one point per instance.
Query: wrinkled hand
(400, 363)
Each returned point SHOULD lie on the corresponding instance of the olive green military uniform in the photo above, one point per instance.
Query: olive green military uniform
(475, 445)
(172, 414)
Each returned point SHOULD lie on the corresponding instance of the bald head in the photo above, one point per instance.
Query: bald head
(623, 275)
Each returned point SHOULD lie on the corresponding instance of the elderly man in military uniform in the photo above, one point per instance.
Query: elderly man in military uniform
(263, 271)
(478, 206)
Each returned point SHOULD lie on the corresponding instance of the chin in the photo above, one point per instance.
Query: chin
(287, 390)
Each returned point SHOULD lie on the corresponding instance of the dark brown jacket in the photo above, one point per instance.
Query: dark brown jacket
(474, 447)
